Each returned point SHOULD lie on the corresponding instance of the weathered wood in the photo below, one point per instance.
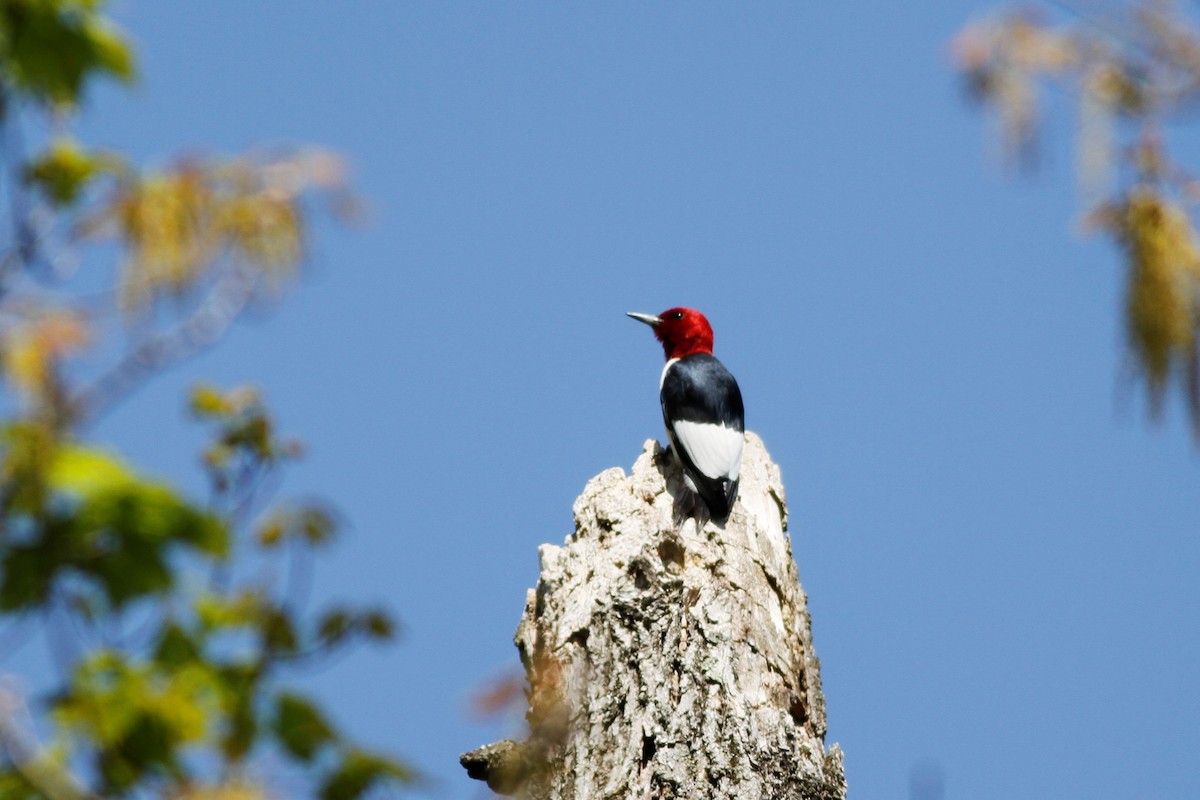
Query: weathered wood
(669, 662)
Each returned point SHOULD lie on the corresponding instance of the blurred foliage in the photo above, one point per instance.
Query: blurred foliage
(1133, 70)
(180, 639)
(50, 48)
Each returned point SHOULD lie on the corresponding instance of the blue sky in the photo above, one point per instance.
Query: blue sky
(999, 552)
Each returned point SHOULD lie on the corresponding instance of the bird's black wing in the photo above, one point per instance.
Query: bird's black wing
(705, 419)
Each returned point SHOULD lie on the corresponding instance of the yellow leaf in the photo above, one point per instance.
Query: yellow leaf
(62, 171)
(31, 350)
(239, 790)
(1164, 264)
(25, 363)
(87, 471)
(167, 223)
(207, 401)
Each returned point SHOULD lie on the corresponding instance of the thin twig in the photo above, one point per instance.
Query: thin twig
(163, 349)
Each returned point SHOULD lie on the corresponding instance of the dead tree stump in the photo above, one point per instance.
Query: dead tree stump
(665, 662)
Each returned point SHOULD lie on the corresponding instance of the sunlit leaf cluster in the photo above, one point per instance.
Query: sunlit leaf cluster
(177, 225)
(1003, 61)
(33, 349)
(201, 242)
(82, 520)
(1134, 70)
(174, 622)
(85, 533)
(1164, 287)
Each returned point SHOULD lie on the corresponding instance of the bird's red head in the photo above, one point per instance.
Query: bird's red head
(682, 331)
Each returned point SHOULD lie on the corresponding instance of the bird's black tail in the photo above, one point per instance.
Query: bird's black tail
(719, 496)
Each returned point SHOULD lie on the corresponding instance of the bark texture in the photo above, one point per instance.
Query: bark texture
(668, 662)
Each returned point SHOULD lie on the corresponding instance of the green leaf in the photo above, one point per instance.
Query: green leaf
(207, 401)
(111, 52)
(149, 747)
(317, 524)
(62, 171)
(335, 625)
(218, 612)
(153, 513)
(311, 523)
(279, 633)
(26, 575)
(133, 532)
(115, 527)
(300, 727)
(379, 625)
(102, 698)
(109, 525)
(53, 47)
(87, 471)
(175, 647)
(243, 724)
(271, 532)
(28, 450)
(15, 786)
(137, 717)
(360, 771)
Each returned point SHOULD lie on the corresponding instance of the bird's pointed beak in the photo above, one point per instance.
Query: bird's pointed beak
(649, 319)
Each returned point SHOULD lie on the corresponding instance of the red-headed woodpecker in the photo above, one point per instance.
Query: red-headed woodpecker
(702, 408)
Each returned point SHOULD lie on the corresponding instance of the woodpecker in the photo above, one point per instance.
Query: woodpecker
(702, 408)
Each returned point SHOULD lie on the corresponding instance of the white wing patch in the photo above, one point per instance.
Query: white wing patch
(714, 449)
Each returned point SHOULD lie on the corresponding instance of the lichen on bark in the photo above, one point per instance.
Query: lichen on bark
(666, 661)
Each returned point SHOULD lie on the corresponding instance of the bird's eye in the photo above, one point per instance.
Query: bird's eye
(677, 315)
